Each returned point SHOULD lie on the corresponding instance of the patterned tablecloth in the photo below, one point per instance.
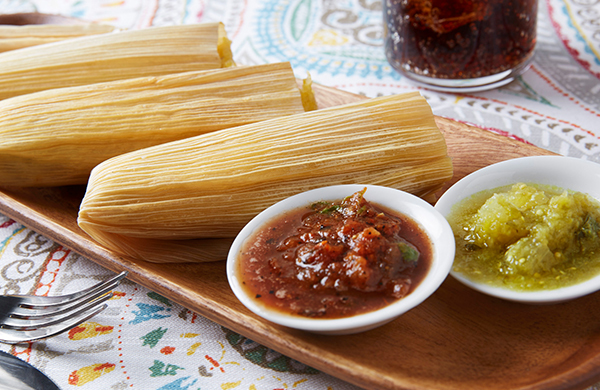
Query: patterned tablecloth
(143, 340)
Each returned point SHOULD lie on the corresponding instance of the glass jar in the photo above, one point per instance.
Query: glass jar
(460, 45)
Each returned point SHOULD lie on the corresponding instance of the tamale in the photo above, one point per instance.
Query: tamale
(191, 195)
(122, 55)
(56, 137)
(18, 37)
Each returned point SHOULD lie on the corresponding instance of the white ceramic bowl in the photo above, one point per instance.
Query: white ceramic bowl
(564, 172)
(432, 222)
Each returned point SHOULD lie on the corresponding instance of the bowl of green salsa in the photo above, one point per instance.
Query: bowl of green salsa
(527, 229)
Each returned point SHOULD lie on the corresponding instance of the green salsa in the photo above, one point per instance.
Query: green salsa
(527, 237)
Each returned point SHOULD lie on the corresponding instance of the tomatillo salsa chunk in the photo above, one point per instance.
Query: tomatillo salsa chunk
(527, 237)
(334, 259)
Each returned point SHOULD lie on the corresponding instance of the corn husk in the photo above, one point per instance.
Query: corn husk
(18, 37)
(56, 137)
(115, 56)
(185, 194)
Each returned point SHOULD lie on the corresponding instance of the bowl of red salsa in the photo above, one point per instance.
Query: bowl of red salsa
(341, 259)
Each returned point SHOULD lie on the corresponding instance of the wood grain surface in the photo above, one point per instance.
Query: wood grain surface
(26, 18)
(456, 339)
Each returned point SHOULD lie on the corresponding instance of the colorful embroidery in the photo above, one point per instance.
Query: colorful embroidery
(148, 312)
(87, 374)
(88, 330)
(161, 369)
(152, 338)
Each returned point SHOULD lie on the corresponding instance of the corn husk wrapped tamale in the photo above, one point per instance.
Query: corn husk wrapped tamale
(56, 137)
(18, 37)
(114, 56)
(185, 200)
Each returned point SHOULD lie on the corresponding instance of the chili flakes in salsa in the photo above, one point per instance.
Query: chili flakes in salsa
(335, 259)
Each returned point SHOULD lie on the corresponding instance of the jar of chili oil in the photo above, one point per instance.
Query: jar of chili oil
(460, 44)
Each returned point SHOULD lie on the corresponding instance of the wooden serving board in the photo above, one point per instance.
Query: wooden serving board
(456, 339)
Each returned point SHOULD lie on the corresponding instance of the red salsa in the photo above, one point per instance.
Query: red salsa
(335, 259)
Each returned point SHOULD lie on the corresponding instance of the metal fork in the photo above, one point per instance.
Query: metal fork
(26, 318)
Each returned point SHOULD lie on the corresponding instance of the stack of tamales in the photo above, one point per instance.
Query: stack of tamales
(184, 147)
(56, 137)
(186, 200)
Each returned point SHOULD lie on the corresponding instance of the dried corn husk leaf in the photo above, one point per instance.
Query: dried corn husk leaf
(18, 37)
(115, 56)
(206, 187)
(56, 137)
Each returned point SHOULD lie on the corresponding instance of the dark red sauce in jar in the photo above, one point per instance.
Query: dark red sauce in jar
(335, 259)
(459, 39)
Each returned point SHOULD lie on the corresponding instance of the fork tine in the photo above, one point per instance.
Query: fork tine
(29, 318)
(15, 336)
(29, 311)
(38, 302)
(29, 323)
